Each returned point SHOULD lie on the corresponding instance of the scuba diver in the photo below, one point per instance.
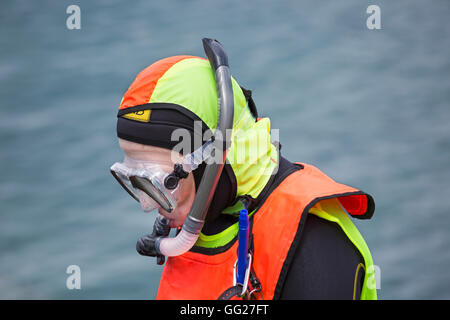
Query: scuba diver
(248, 223)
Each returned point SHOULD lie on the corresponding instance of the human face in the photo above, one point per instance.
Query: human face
(166, 158)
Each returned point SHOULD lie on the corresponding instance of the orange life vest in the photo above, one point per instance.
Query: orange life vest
(277, 227)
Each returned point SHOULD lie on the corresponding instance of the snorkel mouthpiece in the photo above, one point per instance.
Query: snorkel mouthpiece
(193, 224)
(147, 246)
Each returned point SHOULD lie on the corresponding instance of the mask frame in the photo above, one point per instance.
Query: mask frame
(142, 179)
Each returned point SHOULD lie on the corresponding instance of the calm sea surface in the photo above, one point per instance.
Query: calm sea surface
(371, 108)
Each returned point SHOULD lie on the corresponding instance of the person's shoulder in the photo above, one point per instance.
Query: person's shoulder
(324, 263)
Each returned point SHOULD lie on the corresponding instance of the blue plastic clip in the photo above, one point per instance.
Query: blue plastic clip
(243, 255)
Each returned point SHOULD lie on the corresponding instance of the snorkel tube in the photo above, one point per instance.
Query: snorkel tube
(155, 245)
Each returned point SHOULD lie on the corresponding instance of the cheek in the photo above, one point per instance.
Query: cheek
(185, 199)
(187, 189)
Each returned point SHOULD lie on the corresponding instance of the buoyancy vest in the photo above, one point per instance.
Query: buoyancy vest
(277, 229)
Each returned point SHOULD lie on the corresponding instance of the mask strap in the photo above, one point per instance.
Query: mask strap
(194, 159)
(189, 163)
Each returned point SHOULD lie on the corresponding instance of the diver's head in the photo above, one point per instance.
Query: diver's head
(173, 94)
(186, 92)
(179, 93)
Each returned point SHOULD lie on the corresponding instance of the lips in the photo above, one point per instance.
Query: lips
(173, 223)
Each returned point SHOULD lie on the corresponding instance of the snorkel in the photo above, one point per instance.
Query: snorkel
(159, 244)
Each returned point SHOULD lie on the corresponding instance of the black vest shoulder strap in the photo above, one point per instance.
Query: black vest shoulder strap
(251, 103)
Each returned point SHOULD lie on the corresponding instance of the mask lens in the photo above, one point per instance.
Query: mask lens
(144, 181)
(154, 190)
(147, 203)
(125, 183)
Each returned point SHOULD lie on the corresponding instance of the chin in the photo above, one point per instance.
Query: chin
(173, 217)
(175, 224)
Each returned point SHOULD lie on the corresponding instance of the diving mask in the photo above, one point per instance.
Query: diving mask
(150, 183)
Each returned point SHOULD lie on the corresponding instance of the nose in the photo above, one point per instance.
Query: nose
(147, 203)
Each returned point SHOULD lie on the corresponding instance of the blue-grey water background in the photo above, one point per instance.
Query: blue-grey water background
(371, 108)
